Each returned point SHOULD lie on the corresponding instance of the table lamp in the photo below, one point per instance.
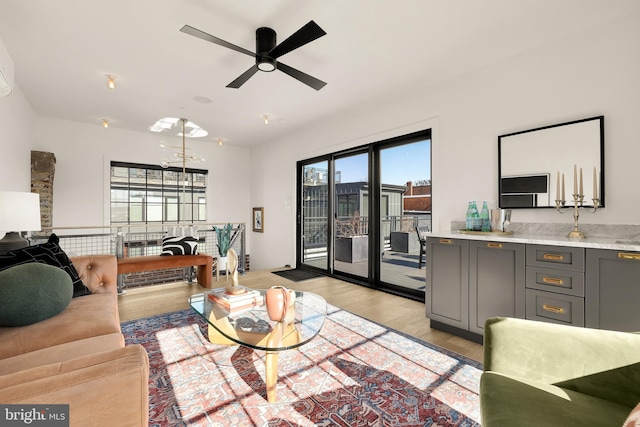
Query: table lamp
(19, 211)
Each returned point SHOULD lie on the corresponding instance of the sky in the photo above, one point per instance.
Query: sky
(410, 162)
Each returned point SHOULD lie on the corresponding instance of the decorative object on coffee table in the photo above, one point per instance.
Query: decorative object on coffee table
(232, 270)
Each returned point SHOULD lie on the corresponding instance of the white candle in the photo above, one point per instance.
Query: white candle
(563, 199)
(581, 193)
(595, 184)
(575, 179)
(558, 185)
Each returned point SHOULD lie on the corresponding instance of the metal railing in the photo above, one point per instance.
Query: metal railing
(140, 240)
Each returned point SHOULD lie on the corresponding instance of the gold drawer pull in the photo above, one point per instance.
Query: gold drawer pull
(494, 245)
(553, 281)
(445, 241)
(553, 308)
(626, 255)
(553, 257)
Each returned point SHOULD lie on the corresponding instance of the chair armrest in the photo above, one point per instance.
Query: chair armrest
(103, 389)
(99, 273)
(551, 353)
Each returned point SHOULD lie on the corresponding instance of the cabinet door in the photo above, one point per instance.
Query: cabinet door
(447, 281)
(613, 290)
(496, 282)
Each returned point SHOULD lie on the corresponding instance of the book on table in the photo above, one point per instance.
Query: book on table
(247, 299)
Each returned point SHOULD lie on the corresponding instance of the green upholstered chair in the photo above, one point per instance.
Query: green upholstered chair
(545, 374)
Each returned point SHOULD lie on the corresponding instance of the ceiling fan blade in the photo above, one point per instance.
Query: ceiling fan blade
(187, 29)
(243, 77)
(304, 35)
(303, 77)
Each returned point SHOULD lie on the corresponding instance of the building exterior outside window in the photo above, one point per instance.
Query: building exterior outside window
(149, 194)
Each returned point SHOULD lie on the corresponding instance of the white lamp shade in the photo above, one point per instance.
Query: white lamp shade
(19, 211)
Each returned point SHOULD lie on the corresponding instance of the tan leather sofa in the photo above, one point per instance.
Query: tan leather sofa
(78, 357)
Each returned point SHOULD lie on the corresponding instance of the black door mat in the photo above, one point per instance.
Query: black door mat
(297, 274)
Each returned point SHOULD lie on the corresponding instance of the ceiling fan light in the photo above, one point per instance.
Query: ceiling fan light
(266, 64)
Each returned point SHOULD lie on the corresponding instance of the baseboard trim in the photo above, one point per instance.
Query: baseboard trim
(471, 336)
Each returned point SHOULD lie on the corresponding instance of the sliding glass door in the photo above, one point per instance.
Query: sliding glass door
(360, 213)
(405, 212)
(351, 215)
(314, 214)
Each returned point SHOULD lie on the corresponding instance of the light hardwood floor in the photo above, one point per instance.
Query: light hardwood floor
(399, 313)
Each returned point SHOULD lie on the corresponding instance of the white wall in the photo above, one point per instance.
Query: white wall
(17, 134)
(589, 74)
(83, 154)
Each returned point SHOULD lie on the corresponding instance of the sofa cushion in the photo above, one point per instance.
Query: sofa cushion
(52, 254)
(61, 353)
(92, 315)
(505, 399)
(32, 292)
(108, 388)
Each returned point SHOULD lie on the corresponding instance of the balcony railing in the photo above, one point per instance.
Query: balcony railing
(140, 240)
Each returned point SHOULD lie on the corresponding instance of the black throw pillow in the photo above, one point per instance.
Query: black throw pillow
(52, 254)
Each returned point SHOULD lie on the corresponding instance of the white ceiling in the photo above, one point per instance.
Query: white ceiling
(374, 50)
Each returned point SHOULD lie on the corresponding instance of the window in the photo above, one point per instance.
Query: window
(144, 194)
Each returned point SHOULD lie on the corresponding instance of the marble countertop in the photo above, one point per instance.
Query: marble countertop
(542, 239)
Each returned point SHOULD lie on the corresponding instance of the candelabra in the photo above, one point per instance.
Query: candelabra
(577, 203)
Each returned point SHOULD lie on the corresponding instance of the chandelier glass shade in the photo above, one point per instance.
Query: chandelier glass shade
(186, 129)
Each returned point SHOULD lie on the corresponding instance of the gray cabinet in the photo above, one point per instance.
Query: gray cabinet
(496, 282)
(613, 290)
(469, 280)
(555, 284)
(447, 282)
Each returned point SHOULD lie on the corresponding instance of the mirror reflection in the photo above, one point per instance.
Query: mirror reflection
(536, 167)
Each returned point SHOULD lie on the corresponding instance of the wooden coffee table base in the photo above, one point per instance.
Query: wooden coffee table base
(283, 334)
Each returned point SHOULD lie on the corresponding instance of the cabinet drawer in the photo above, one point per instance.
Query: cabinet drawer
(555, 280)
(555, 257)
(556, 308)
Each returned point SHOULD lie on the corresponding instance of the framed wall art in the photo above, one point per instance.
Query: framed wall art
(258, 220)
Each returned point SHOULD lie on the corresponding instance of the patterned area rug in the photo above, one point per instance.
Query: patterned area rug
(355, 373)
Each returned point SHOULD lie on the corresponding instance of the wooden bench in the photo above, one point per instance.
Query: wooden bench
(138, 264)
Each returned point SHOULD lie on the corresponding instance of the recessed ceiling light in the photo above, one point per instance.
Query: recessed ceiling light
(202, 99)
(111, 81)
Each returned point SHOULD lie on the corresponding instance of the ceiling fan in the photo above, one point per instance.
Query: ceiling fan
(267, 52)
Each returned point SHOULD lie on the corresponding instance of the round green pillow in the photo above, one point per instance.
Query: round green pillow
(33, 292)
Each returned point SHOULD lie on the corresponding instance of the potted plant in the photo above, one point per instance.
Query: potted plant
(223, 243)
(351, 245)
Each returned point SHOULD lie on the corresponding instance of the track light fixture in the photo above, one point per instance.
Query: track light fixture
(266, 119)
(220, 142)
(105, 123)
(111, 81)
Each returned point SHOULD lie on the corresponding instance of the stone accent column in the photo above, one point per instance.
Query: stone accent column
(43, 168)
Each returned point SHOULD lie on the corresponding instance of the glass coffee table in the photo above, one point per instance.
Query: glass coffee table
(252, 328)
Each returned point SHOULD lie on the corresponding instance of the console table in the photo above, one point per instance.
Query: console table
(589, 283)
